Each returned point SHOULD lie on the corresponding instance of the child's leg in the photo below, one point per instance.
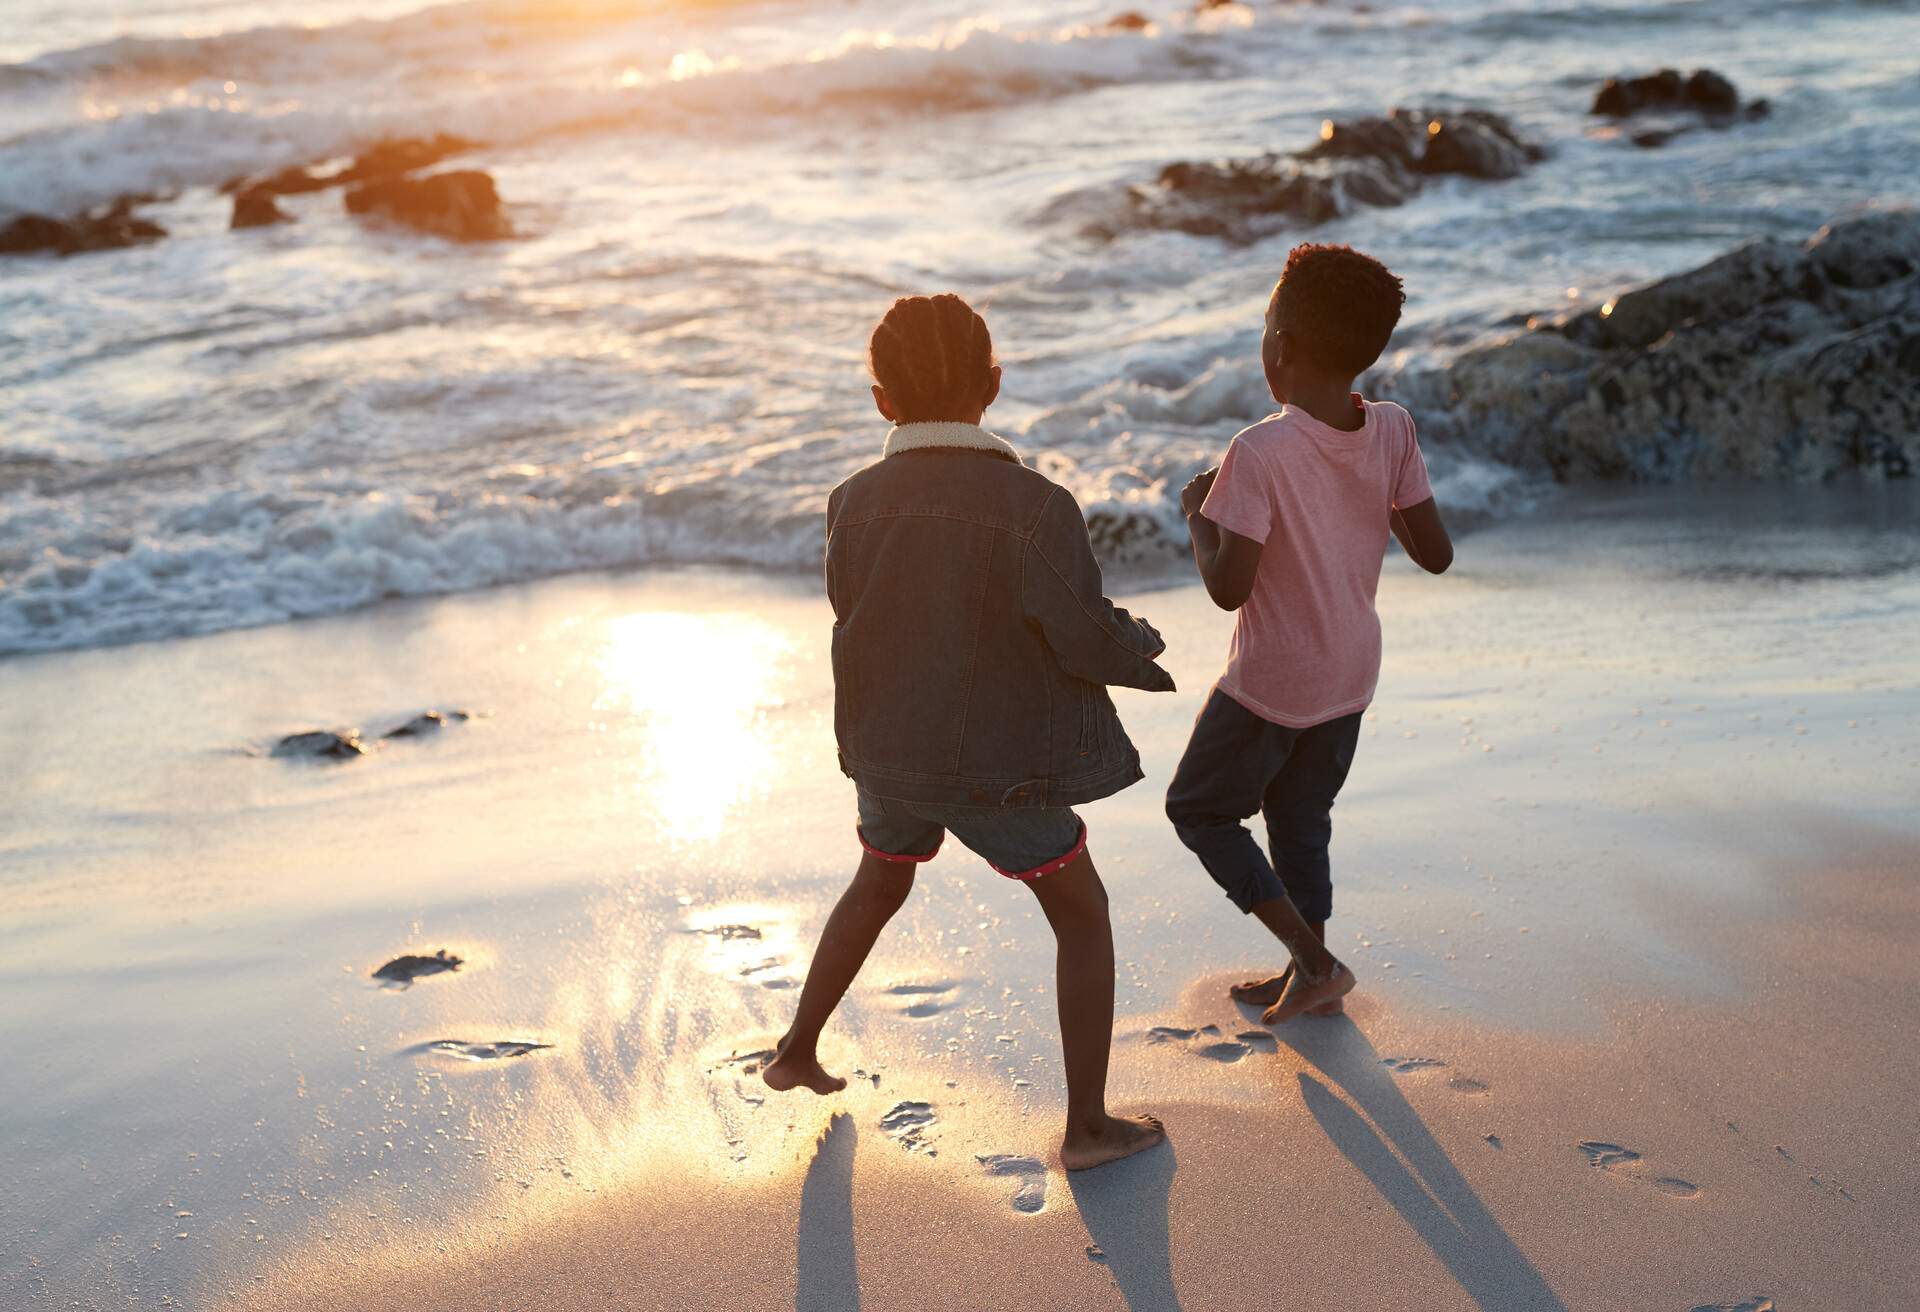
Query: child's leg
(1298, 808)
(1222, 780)
(879, 889)
(1075, 904)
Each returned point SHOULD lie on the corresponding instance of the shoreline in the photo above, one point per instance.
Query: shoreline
(1631, 814)
(1852, 503)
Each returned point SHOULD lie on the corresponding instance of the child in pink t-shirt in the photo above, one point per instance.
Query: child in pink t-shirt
(1290, 532)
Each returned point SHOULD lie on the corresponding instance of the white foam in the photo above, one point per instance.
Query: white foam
(302, 96)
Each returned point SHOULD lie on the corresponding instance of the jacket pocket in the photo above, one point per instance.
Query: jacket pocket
(1089, 736)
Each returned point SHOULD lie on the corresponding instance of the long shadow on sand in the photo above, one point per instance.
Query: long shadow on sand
(1426, 1188)
(829, 1276)
(1124, 1205)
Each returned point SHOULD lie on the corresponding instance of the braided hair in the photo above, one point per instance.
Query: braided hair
(932, 354)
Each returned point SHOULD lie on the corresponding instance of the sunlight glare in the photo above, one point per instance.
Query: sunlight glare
(699, 683)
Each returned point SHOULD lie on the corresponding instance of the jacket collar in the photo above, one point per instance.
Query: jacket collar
(920, 437)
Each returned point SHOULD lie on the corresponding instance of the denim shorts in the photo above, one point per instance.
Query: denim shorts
(1021, 842)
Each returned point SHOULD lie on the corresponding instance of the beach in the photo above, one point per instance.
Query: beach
(1625, 868)
(422, 798)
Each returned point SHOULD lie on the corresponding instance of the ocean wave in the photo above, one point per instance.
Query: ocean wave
(138, 560)
(202, 137)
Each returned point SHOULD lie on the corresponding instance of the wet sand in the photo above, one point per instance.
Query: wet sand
(1627, 868)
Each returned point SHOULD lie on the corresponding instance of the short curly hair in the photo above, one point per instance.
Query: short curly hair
(1339, 306)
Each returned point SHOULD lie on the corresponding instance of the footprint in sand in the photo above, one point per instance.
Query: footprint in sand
(748, 1063)
(499, 1048)
(908, 1124)
(1402, 1065)
(1612, 1157)
(1467, 1084)
(1607, 1156)
(1760, 1303)
(1222, 1049)
(726, 933)
(406, 969)
(925, 1000)
(1031, 1194)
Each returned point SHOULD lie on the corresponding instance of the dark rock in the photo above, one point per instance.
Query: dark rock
(1706, 96)
(1476, 144)
(294, 180)
(257, 209)
(460, 206)
(1774, 361)
(1621, 97)
(1711, 93)
(427, 722)
(1366, 162)
(406, 969)
(33, 232)
(321, 744)
(391, 158)
(108, 227)
(1868, 252)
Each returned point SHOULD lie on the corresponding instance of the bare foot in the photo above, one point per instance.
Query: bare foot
(1304, 993)
(1261, 992)
(789, 1070)
(1266, 992)
(1116, 1137)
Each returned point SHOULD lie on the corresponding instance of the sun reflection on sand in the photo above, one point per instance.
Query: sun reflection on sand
(700, 682)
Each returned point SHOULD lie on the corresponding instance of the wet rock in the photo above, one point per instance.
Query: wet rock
(390, 158)
(1777, 360)
(406, 969)
(257, 209)
(427, 722)
(1470, 142)
(460, 206)
(1365, 162)
(1704, 97)
(108, 227)
(293, 180)
(401, 155)
(321, 744)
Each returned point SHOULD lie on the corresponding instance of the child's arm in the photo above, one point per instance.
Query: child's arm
(1423, 537)
(1227, 561)
(1064, 596)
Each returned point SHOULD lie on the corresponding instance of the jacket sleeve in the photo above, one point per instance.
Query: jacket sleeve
(827, 557)
(1062, 592)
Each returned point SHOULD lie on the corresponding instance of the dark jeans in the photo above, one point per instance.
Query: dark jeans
(1237, 763)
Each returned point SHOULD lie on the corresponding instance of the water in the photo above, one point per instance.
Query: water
(715, 203)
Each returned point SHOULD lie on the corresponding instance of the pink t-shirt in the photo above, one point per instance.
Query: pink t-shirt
(1306, 645)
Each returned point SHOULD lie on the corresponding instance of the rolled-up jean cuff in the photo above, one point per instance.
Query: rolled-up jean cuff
(1048, 867)
(1263, 886)
(907, 859)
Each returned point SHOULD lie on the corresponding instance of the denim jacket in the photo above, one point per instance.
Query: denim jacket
(971, 639)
